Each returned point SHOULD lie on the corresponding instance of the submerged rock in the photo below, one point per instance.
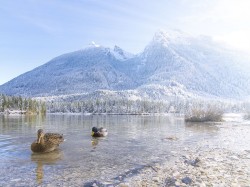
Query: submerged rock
(124, 185)
(174, 138)
(170, 181)
(156, 179)
(193, 162)
(186, 180)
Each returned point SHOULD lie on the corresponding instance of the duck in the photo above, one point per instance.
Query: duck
(46, 142)
(99, 132)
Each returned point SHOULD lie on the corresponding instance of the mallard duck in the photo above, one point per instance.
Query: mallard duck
(99, 132)
(46, 142)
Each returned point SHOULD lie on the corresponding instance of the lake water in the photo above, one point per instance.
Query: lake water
(133, 142)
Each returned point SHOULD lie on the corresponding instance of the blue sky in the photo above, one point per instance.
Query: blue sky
(34, 31)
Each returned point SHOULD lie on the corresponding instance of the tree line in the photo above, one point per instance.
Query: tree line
(115, 106)
(24, 105)
(120, 106)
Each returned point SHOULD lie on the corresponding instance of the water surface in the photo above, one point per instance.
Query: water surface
(133, 142)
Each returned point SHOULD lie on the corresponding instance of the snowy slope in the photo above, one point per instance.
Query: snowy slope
(197, 63)
(173, 64)
(78, 72)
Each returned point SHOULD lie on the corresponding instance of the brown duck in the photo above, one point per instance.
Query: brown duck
(46, 142)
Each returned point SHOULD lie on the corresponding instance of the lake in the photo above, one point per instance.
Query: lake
(133, 142)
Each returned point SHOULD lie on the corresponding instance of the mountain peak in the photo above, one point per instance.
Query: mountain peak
(161, 36)
(118, 49)
(93, 44)
(120, 54)
(170, 36)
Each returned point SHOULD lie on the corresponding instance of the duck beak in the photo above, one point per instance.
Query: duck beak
(39, 139)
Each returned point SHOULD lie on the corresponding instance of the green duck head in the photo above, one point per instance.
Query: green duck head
(94, 129)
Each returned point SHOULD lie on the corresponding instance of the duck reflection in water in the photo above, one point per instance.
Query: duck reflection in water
(94, 142)
(44, 159)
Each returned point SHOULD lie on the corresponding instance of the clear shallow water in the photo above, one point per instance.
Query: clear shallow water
(133, 142)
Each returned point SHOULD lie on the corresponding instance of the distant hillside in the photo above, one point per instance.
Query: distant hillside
(173, 64)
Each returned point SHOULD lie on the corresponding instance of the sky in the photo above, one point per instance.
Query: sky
(32, 32)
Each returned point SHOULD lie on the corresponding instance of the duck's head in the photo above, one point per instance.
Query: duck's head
(94, 129)
(40, 134)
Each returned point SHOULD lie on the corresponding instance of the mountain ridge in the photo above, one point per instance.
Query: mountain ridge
(170, 62)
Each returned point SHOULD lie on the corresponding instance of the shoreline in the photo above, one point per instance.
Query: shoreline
(201, 168)
(119, 114)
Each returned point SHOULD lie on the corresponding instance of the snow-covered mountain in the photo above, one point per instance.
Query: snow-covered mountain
(173, 64)
(82, 71)
(199, 64)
